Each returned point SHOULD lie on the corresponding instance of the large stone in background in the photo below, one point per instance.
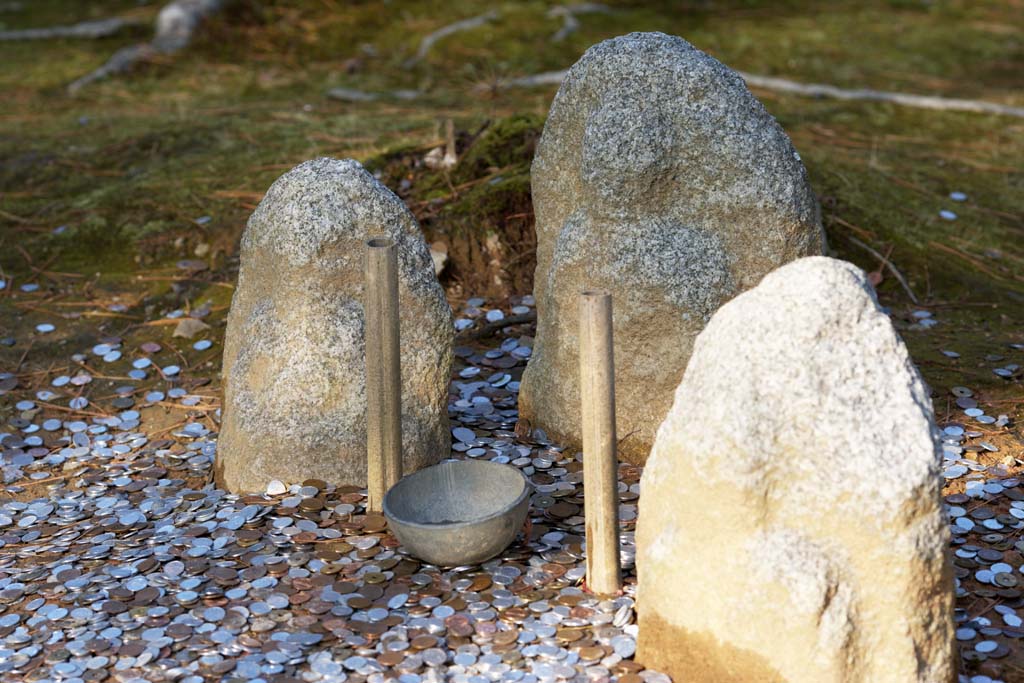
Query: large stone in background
(791, 527)
(662, 179)
(294, 370)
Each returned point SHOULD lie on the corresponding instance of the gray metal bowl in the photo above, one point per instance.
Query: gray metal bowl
(459, 512)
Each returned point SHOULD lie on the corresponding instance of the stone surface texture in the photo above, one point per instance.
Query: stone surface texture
(662, 179)
(800, 460)
(294, 371)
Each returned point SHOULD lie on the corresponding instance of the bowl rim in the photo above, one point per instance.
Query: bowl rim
(389, 513)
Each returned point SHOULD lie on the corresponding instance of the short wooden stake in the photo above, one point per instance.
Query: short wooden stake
(600, 464)
(383, 371)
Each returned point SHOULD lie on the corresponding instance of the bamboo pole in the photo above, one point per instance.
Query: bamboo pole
(600, 476)
(383, 372)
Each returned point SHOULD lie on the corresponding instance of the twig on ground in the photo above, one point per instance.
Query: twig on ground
(159, 322)
(445, 31)
(168, 429)
(888, 264)
(455, 189)
(490, 328)
(54, 406)
(21, 361)
(11, 217)
(48, 480)
(967, 257)
(91, 30)
(176, 24)
(866, 234)
(190, 409)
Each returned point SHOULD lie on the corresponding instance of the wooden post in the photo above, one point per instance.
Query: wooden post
(383, 372)
(451, 157)
(600, 464)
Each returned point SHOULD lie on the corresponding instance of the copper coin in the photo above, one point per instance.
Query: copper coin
(459, 625)
(628, 666)
(506, 637)
(556, 570)
(359, 602)
(390, 659)
(515, 614)
(114, 607)
(423, 642)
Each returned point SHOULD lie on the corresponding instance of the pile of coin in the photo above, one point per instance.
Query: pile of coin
(985, 504)
(120, 562)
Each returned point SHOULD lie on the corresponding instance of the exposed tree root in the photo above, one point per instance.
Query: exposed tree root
(120, 61)
(819, 90)
(176, 24)
(100, 28)
(351, 95)
(569, 21)
(445, 31)
(532, 81)
(905, 99)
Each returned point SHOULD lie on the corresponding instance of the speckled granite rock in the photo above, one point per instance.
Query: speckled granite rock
(294, 373)
(800, 460)
(660, 178)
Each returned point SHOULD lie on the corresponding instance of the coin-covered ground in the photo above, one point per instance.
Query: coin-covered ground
(119, 560)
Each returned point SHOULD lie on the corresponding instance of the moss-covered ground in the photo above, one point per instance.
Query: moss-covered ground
(137, 172)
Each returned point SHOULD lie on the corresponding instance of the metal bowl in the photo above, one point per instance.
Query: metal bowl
(459, 512)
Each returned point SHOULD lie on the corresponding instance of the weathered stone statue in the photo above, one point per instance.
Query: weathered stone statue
(295, 404)
(791, 527)
(662, 179)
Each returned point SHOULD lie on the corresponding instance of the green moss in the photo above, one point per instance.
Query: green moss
(979, 335)
(487, 205)
(885, 174)
(43, 13)
(93, 233)
(141, 156)
(490, 181)
(508, 142)
(130, 163)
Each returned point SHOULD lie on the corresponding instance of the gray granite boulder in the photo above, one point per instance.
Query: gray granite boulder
(294, 371)
(662, 179)
(791, 526)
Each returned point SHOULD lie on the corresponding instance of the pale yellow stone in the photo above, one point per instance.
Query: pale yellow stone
(790, 523)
